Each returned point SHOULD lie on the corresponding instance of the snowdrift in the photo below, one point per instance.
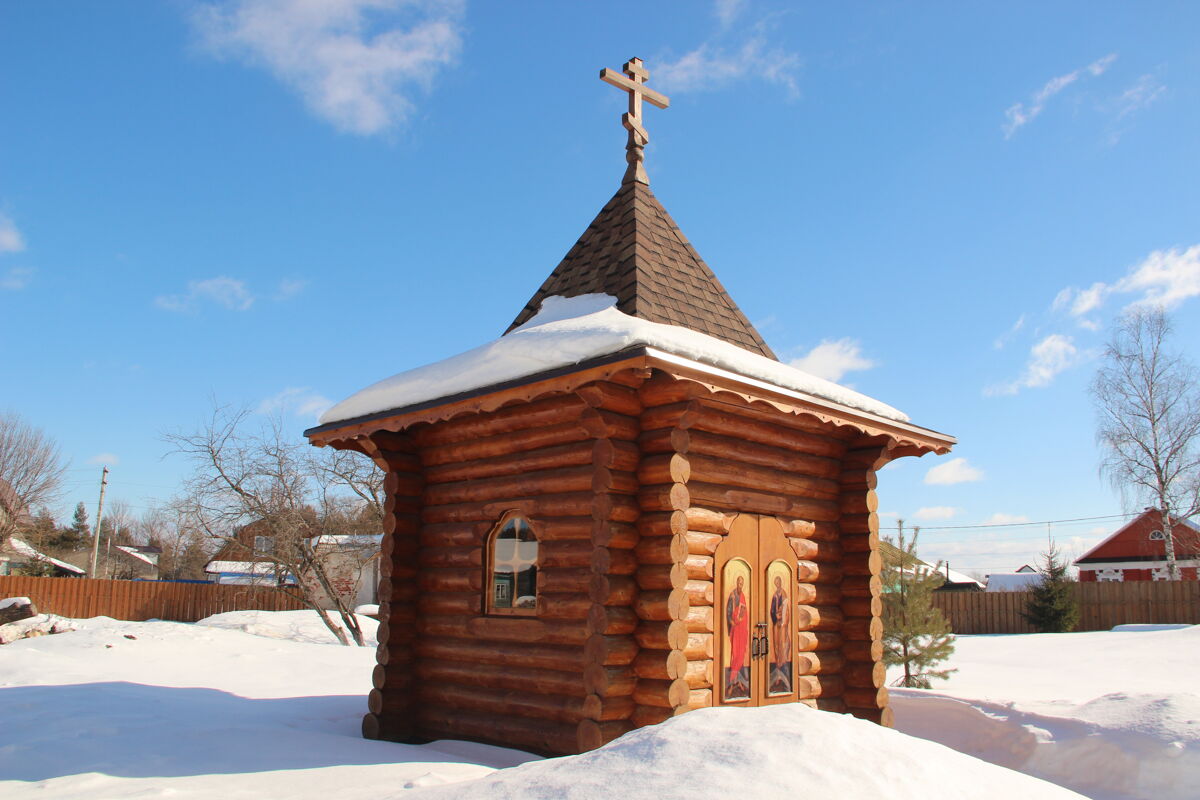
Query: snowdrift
(781, 751)
(297, 626)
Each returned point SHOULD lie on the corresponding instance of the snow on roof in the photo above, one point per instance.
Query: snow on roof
(25, 549)
(241, 567)
(133, 551)
(348, 539)
(1012, 581)
(569, 330)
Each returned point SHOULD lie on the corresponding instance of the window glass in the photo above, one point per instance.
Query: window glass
(1157, 536)
(264, 544)
(514, 568)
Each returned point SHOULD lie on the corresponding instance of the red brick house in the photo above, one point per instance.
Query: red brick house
(1137, 552)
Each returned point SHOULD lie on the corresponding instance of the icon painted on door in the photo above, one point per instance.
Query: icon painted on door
(779, 676)
(736, 658)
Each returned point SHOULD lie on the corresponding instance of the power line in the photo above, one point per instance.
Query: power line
(1017, 524)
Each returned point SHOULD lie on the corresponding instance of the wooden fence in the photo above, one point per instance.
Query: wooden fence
(141, 600)
(1101, 606)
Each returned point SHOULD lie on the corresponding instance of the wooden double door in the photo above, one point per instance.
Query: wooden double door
(755, 577)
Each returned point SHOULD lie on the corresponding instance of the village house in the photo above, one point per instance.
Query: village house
(1138, 552)
(624, 508)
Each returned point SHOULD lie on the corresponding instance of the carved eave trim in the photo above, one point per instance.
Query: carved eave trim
(902, 438)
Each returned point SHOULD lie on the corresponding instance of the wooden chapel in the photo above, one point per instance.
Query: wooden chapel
(582, 551)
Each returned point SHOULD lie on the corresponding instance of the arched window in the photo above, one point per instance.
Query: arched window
(512, 567)
(1157, 536)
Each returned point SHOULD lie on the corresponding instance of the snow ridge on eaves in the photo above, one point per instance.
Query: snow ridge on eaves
(569, 330)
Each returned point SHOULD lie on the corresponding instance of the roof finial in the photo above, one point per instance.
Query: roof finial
(635, 84)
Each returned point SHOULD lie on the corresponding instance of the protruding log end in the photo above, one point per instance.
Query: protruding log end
(370, 726)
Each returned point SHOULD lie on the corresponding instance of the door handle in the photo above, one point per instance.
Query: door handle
(760, 641)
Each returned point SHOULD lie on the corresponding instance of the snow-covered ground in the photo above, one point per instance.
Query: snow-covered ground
(252, 704)
(1111, 714)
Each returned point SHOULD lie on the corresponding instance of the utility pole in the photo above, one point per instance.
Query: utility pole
(99, 518)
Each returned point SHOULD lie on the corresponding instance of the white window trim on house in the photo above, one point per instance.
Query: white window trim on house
(1110, 575)
(1157, 536)
(1160, 574)
(1162, 562)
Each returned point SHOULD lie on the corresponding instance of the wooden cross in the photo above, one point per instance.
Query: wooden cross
(635, 84)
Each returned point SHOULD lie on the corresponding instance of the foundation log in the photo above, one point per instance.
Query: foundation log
(660, 693)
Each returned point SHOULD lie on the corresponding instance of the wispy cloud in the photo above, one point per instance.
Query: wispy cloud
(833, 358)
(105, 459)
(1139, 96)
(1049, 357)
(11, 240)
(730, 56)
(290, 287)
(956, 470)
(1020, 114)
(929, 513)
(300, 401)
(1007, 336)
(228, 293)
(16, 278)
(356, 63)
(1164, 278)
(1000, 518)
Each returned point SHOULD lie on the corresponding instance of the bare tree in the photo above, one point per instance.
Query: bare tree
(31, 471)
(1148, 402)
(300, 507)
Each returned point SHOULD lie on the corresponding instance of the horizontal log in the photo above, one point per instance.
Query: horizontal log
(819, 618)
(860, 543)
(812, 550)
(827, 662)
(563, 606)
(859, 477)
(662, 523)
(397, 678)
(776, 433)
(664, 468)
(699, 674)
(700, 619)
(449, 579)
(859, 524)
(454, 534)
(865, 698)
(807, 641)
(660, 664)
(613, 480)
(699, 593)
(616, 454)
(664, 497)
(699, 698)
(537, 735)
(605, 709)
(865, 674)
(862, 586)
(653, 635)
(512, 655)
(612, 620)
(388, 728)
(662, 576)
(614, 681)
(651, 715)
(862, 606)
(388, 702)
(699, 646)
(577, 504)
(864, 650)
(451, 603)
(818, 594)
(663, 605)
(495, 676)
(609, 425)
(610, 651)
(661, 693)
(559, 480)
(394, 654)
(814, 572)
(859, 502)
(865, 459)
(663, 440)
(565, 580)
(565, 554)
(662, 549)
(505, 445)
(706, 520)
(611, 397)
(504, 629)
(520, 416)
(671, 415)
(612, 590)
(760, 502)
(573, 454)
(761, 455)
(613, 534)
(862, 564)
(727, 471)
(863, 628)
(664, 389)
(703, 544)
(402, 524)
(459, 557)
(819, 686)
(699, 568)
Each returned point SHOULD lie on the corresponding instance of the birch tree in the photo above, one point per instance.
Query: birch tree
(1147, 400)
(31, 471)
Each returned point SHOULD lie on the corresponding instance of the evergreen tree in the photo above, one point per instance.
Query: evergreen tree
(1052, 605)
(81, 531)
(916, 634)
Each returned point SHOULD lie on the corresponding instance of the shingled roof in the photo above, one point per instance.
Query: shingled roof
(635, 252)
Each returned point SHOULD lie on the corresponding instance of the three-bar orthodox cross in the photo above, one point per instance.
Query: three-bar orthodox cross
(635, 84)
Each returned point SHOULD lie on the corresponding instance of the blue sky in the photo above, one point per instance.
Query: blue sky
(277, 202)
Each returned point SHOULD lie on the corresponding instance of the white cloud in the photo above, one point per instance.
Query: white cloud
(1000, 518)
(1004, 339)
(728, 10)
(300, 401)
(1164, 278)
(101, 459)
(712, 66)
(935, 512)
(956, 470)
(16, 278)
(1139, 96)
(290, 287)
(833, 358)
(1047, 359)
(226, 292)
(11, 240)
(356, 63)
(1020, 114)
